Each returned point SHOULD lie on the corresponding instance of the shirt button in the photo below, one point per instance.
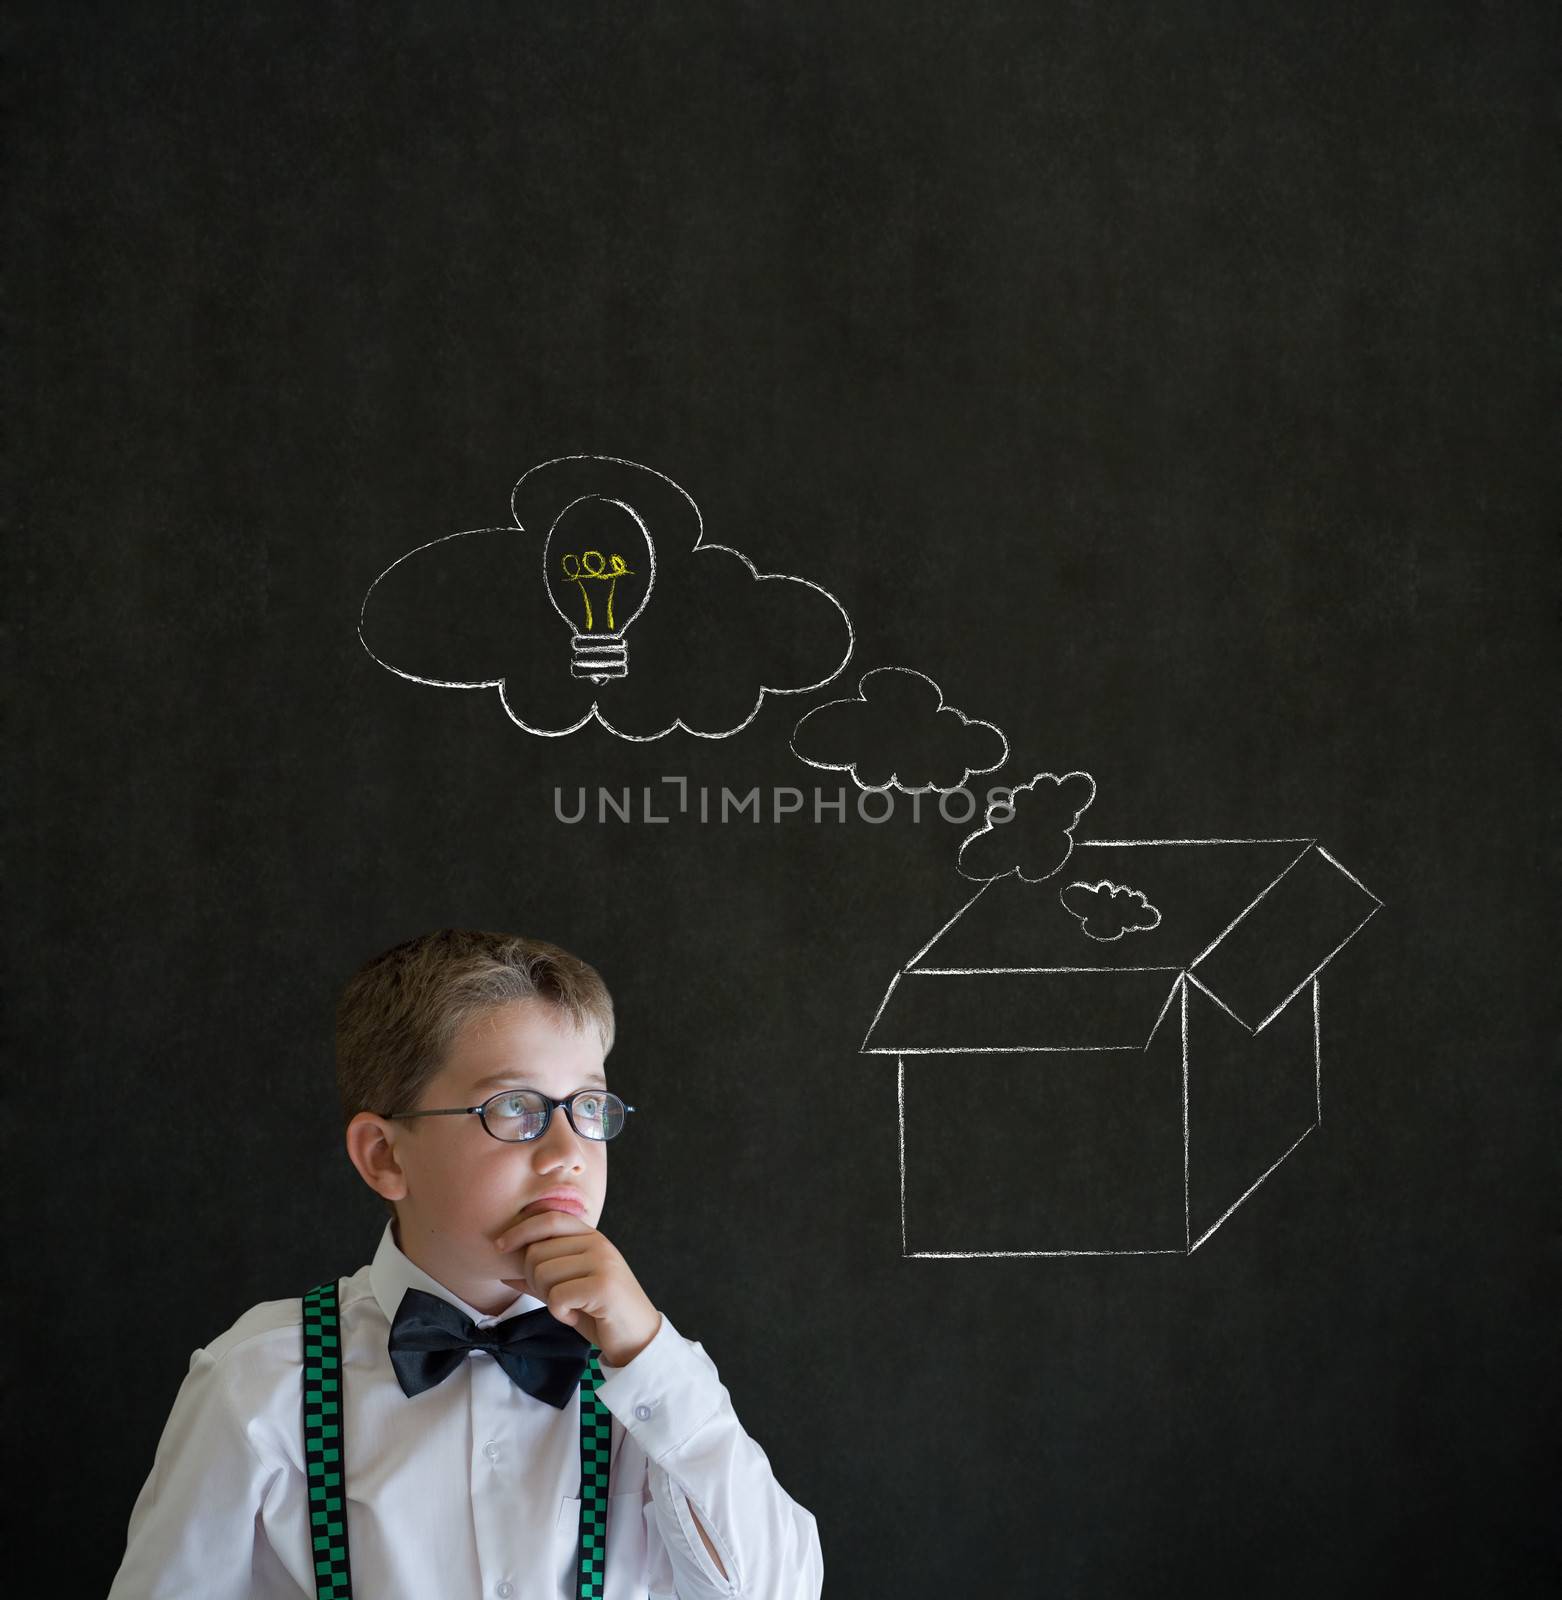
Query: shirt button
(643, 1411)
(491, 1450)
(504, 1590)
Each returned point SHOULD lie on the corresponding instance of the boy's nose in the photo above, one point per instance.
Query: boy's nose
(559, 1144)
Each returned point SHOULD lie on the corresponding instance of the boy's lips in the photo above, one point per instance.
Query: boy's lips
(556, 1200)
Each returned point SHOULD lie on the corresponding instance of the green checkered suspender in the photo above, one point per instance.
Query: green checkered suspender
(323, 1443)
(323, 1457)
(595, 1443)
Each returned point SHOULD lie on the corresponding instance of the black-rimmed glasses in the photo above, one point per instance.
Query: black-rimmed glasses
(518, 1115)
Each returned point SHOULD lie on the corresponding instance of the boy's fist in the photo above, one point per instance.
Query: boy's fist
(579, 1274)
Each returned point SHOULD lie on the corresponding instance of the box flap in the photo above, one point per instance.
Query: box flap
(1022, 1011)
(1267, 955)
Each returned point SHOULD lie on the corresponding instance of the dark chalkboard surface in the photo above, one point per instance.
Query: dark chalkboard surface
(1165, 395)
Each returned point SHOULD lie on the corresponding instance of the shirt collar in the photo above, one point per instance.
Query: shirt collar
(391, 1274)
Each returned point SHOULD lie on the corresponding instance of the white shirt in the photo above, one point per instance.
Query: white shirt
(470, 1489)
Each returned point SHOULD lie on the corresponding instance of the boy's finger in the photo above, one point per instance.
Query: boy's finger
(544, 1276)
(539, 1250)
(541, 1225)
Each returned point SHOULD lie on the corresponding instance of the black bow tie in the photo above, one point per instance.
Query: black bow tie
(429, 1339)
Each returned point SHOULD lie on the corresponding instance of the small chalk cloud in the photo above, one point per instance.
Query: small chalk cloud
(1031, 834)
(896, 732)
(604, 602)
(1107, 911)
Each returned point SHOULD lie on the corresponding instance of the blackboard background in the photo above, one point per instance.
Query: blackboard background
(1174, 385)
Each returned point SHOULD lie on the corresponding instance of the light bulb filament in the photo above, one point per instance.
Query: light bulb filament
(592, 566)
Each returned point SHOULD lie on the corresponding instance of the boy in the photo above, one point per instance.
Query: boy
(470, 1067)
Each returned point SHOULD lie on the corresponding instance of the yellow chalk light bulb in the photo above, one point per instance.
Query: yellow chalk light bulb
(598, 565)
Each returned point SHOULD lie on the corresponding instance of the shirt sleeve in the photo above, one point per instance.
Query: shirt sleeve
(197, 1523)
(673, 1403)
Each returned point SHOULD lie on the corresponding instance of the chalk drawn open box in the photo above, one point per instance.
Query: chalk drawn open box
(1061, 1094)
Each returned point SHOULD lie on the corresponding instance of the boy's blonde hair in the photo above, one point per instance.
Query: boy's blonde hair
(400, 1012)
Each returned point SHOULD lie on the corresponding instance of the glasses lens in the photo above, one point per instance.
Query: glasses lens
(597, 1115)
(516, 1114)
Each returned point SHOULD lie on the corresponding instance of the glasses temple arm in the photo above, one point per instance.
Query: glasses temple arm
(452, 1111)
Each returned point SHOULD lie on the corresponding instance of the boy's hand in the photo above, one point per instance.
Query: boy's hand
(583, 1280)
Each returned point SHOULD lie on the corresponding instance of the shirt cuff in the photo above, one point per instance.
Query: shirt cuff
(665, 1394)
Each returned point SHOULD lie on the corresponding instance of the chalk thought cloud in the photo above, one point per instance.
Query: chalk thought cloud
(896, 732)
(604, 602)
(1107, 910)
(1031, 834)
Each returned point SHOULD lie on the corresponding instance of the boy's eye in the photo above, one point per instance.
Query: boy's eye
(519, 1104)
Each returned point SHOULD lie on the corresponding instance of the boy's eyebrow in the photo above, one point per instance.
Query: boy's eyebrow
(498, 1080)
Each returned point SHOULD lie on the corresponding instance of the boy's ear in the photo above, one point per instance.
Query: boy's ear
(370, 1151)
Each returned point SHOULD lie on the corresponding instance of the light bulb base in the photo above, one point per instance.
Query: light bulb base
(599, 657)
